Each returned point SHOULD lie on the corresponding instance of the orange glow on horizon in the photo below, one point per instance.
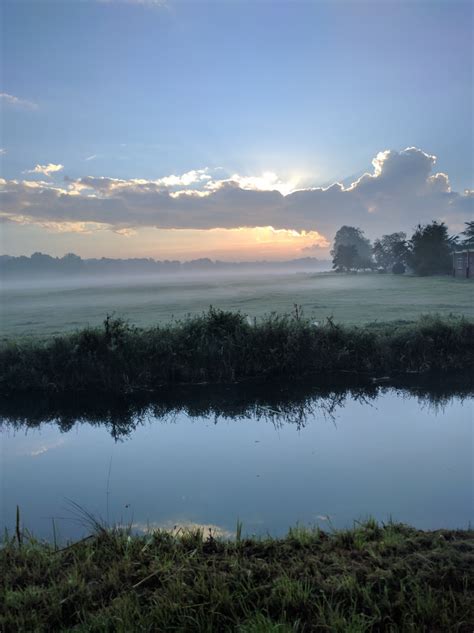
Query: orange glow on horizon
(234, 244)
(254, 243)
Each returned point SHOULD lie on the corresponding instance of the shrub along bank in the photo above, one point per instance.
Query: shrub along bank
(220, 346)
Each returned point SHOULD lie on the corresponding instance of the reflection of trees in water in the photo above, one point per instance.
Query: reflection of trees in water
(277, 402)
(436, 402)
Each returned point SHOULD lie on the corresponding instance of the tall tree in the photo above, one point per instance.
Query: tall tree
(468, 241)
(431, 249)
(390, 251)
(351, 236)
(345, 258)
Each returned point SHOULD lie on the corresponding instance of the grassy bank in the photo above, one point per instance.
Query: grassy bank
(222, 346)
(370, 578)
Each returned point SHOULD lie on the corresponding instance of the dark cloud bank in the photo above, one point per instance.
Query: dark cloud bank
(402, 191)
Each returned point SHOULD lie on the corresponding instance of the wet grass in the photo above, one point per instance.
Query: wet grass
(370, 578)
(222, 346)
(48, 309)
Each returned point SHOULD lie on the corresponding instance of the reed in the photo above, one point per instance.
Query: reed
(220, 346)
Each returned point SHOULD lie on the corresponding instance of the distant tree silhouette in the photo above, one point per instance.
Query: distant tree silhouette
(39, 265)
(71, 263)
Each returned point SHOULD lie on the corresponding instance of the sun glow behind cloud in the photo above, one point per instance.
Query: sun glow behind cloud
(205, 212)
(242, 244)
(261, 242)
(268, 181)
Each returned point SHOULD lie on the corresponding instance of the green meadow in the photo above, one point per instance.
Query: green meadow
(45, 309)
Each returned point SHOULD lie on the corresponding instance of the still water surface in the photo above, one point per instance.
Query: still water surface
(323, 460)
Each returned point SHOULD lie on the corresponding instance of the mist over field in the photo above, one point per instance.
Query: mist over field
(51, 306)
(42, 269)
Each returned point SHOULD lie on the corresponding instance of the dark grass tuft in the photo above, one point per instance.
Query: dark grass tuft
(371, 578)
(224, 346)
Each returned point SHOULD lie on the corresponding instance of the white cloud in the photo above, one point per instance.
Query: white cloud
(180, 527)
(189, 178)
(145, 3)
(400, 192)
(3, 151)
(17, 102)
(126, 232)
(45, 448)
(46, 170)
(268, 181)
(91, 157)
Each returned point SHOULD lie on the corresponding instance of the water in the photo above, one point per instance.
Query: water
(268, 458)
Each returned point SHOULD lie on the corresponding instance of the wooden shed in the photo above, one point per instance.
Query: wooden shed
(463, 263)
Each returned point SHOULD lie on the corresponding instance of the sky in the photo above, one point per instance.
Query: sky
(231, 129)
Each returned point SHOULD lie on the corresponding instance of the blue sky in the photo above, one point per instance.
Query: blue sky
(311, 91)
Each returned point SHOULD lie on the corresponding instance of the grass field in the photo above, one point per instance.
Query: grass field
(44, 310)
(371, 578)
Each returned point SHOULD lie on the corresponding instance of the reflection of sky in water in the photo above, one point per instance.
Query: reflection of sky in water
(391, 457)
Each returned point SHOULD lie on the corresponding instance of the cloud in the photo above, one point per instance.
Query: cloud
(268, 181)
(180, 527)
(126, 232)
(3, 151)
(91, 157)
(145, 3)
(46, 170)
(45, 448)
(313, 248)
(190, 177)
(13, 101)
(400, 191)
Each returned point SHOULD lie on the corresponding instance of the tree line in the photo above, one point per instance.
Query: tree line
(429, 251)
(43, 265)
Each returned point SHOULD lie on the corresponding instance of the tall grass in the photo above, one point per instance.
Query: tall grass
(370, 578)
(222, 346)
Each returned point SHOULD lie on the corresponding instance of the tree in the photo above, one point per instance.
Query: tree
(391, 250)
(345, 258)
(351, 236)
(71, 263)
(431, 249)
(468, 241)
(398, 268)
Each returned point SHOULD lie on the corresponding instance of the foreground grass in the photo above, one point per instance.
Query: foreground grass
(371, 578)
(222, 346)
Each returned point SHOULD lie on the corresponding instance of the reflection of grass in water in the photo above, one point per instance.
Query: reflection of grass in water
(278, 402)
(370, 578)
(219, 346)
